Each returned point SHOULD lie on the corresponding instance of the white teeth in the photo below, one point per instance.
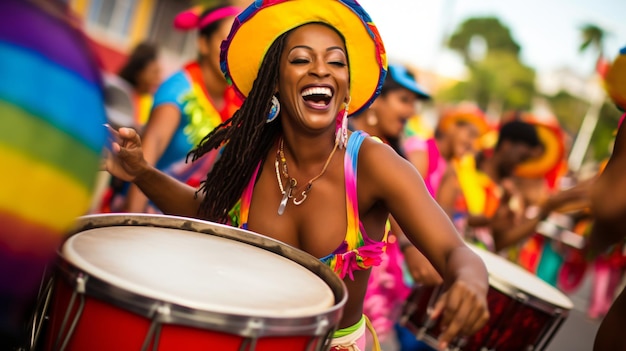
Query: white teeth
(317, 91)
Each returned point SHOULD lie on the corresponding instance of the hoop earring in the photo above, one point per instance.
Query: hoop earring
(341, 133)
(371, 120)
(274, 110)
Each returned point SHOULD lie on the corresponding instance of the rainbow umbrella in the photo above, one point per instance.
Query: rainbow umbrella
(51, 138)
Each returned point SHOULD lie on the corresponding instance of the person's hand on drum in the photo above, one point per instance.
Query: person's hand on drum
(126, 160)
(462, 309)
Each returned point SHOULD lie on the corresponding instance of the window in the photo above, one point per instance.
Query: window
(112, 16)
(182, 44)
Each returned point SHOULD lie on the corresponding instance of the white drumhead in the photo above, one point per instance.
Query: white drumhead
(511, 274)
(199, 271)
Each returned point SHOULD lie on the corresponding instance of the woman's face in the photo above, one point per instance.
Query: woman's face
(314, 77)
(149, 78)
(393, 110)
(464, 138)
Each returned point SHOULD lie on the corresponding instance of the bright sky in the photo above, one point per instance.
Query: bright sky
(547, 30)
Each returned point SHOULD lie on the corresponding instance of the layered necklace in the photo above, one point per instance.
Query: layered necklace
(289, 189)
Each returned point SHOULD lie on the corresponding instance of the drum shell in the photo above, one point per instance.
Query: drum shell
(112, 318)
(513, 323)
(519, 320)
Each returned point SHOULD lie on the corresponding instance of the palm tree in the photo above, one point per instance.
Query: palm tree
(593, 37)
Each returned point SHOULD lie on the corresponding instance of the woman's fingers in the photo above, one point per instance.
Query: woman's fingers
(462, 311)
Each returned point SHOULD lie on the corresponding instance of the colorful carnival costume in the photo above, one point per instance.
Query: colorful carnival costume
(51, 139)
(437, 164)
(186, 90)
(357, 252)
(541, 255)
(480, 197)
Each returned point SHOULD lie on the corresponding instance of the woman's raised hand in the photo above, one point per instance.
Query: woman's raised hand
(125, 161)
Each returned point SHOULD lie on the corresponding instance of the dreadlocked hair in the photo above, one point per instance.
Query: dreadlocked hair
(246, 138)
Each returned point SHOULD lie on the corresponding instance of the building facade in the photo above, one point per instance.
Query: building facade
(115, 27)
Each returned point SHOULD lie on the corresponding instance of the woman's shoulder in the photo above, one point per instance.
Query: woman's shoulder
(177, 80)
(172, 88)
(375, 153)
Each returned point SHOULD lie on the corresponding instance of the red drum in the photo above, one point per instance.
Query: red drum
(145, 282)
(525, 311)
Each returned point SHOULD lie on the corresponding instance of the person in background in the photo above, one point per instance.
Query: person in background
(495, 216)
(389, 113)
(138, 80)
(189, 104)
(51, 141)
(456, 136)
(143, 72)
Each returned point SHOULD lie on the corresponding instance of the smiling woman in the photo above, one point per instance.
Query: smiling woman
(300, 177)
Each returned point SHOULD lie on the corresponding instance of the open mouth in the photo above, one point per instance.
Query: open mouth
(317, 97)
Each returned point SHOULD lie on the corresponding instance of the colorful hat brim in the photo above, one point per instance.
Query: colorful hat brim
(554, 149)
(479, 121)
(258, 26)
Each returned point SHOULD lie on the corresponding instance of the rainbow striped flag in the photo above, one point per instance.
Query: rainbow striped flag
(51, 138)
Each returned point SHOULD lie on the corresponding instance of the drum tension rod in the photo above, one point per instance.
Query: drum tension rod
(79, 290)
(154, 332)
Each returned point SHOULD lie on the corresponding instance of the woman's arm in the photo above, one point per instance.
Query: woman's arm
(127, 163)
(448, 191)
(422, 271)
(396, 183)
(419, 159)
(608, 199)
(156, 137)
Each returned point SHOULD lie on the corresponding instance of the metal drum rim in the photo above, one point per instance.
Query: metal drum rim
(169, 313)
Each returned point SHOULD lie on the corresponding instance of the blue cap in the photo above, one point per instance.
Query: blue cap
(402, 76)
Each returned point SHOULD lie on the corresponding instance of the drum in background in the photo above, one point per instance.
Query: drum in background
(561, 227)
(145, 282)
(525, 312)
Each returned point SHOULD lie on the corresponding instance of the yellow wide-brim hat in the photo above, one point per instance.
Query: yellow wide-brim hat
(258, 26)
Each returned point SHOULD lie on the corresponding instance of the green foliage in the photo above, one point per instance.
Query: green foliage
(569, 110)
(497, 36)
(603, 136)
(499, 77)
(593, 37)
